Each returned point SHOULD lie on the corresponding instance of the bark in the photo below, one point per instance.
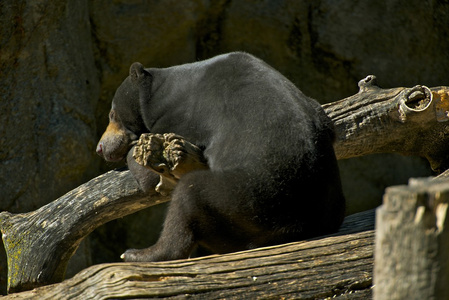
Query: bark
(409, 121)
(336, 267)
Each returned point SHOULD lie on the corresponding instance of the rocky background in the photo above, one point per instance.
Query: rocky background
(61, 61)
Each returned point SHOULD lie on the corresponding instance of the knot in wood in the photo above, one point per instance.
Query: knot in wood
(368, 82)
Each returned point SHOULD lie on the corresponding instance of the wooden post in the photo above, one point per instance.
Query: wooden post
(412, 242)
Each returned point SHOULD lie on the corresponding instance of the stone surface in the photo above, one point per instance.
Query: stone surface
(60, 63)
(49, 92)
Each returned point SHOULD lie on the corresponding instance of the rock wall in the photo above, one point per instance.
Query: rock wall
(61, 61)
(49, 91)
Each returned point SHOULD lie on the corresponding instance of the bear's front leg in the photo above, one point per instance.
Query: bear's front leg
(170, 156)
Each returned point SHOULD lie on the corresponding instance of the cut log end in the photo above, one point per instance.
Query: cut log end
(170, 156)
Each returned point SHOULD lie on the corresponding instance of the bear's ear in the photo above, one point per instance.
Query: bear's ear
(136, 71)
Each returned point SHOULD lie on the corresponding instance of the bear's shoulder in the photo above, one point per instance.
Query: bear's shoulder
(235, 60)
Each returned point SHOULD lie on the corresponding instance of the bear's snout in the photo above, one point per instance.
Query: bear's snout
(100, 149)
(114, 143)
(112, 149)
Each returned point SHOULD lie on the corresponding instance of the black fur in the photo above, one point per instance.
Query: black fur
(273, 174)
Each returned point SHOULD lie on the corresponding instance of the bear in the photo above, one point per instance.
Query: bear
(272, 173)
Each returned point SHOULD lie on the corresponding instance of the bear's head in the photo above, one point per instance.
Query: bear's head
(125, 118)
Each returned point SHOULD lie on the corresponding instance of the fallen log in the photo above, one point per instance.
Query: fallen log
(49, 236)
(408, 121)
(330, 267)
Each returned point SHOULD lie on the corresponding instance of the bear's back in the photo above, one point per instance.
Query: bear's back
(247, 109)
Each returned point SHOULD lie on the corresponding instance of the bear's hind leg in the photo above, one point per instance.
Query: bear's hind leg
(176, 242)
(177, 238)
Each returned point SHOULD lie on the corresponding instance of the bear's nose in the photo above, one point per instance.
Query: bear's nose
(100, 148)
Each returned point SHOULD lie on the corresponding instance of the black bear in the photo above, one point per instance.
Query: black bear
(273, 176)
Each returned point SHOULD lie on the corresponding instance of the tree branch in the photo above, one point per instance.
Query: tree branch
(409, 121)
(39, 244)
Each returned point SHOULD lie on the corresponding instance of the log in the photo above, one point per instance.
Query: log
(408, 121)
(48, 236)
(335, 267)
(39, 244)
(412, 239)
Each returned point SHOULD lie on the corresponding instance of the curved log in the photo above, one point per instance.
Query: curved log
(39, 244)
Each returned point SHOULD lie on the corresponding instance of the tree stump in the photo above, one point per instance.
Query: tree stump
(412, 242)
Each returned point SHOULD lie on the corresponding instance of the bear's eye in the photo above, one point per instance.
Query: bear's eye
(111, 115)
